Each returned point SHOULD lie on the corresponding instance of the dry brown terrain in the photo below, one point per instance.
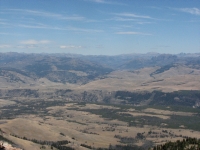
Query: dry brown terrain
(174, 79)
(83, 127)
(177, 78)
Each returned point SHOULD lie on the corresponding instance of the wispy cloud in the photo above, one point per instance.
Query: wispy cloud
(34, 25)
(133, 33)
(69, 28)
(193, 11)
(123, 19)
(27, 44)
(82, 29)
(98, 1)
(37, 26)
(5, 46)
(144, 22)
(31, 44)
(154, 7)
(106, 2)
(70, 47)
(34, 42)
(132, 15)
(45, 14)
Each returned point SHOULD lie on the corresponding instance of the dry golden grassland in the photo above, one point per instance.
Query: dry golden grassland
(176, 78)
(75, 123)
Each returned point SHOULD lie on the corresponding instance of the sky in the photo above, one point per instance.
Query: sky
(100, 27)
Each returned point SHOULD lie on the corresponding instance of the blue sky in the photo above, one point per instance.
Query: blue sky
(100, 27)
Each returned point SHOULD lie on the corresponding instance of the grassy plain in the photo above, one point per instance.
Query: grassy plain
(174, 79)
(99, 125)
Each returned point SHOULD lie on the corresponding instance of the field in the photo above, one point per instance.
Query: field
(176, 78)
(96, 125)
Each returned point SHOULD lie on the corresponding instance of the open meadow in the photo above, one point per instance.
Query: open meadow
(89, 125)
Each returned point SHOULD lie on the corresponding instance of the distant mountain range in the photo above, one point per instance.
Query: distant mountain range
(81, 69)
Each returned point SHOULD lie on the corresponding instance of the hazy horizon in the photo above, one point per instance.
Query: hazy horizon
(145, 53)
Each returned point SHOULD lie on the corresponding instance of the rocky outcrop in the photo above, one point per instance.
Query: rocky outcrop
(2, 147)
(6, 146)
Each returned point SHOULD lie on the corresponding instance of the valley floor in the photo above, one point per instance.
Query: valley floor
(96, 125)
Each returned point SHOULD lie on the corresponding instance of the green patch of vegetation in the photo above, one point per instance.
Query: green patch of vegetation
(62, 134)
(58, 144)
(175, 121)
(190, 122)
(123, 147)
(162, 69)
(86, 146)
(174, 108)
(81, 104)
(14, 70)
(126, 140)
(185, 144)
(176, 98)
(76, 122)
(39, 68)
(38, 107)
